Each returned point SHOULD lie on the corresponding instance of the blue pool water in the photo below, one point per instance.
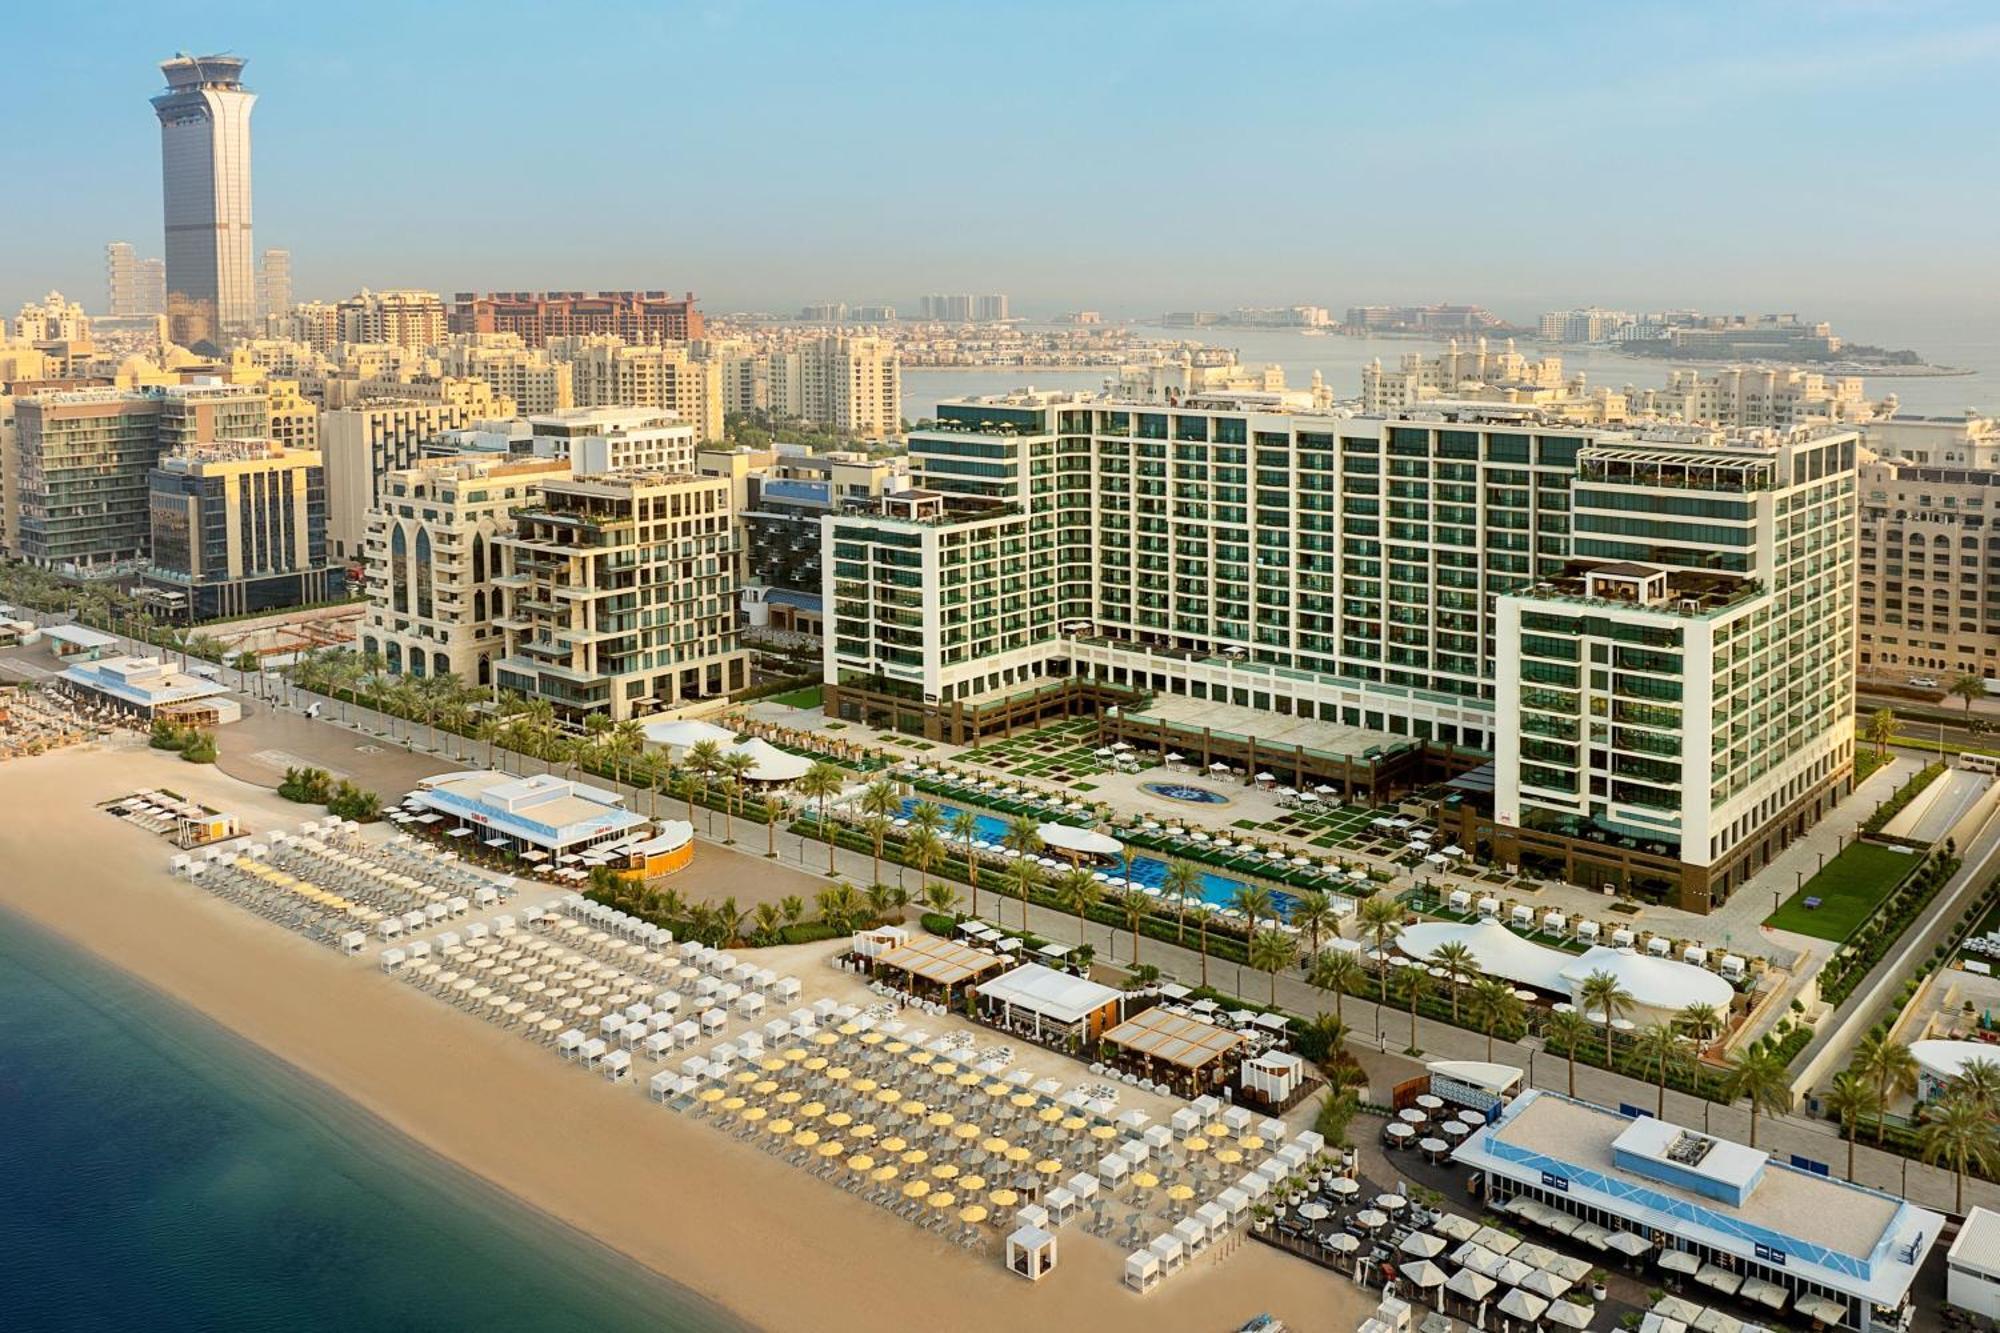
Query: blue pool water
(1217, 890)
(1181, 791)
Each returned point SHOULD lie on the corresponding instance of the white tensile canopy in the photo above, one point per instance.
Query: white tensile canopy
(773, 764)
(1653, 983)
(1068, 838)
(683, 734)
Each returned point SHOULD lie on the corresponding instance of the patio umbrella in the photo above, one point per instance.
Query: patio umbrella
(1673, 1307)
(1313, 1212)
(1371, 1218)
(1518, 1304)
(1472, 1286)
(1423, 1273)
(1570, 1315)
(1544, 1283)
(1344, 1187)
(1679, 1261)
(1341, 1243)
(1815, 1306)
(1422, 1245)
(1452, 1226)
(1630, 1245)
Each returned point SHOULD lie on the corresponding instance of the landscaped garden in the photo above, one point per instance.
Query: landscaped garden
(1064, 752)
(1834, 902)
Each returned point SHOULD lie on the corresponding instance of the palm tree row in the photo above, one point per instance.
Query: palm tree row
(1956, 1130)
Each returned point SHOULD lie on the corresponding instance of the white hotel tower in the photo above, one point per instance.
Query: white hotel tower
(205, 179)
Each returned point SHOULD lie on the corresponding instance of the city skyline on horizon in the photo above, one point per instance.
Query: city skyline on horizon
(817, 230)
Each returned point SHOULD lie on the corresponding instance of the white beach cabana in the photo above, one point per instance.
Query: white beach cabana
(1079, 842)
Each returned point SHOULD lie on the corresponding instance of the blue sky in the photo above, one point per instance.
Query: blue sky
(1833, 158)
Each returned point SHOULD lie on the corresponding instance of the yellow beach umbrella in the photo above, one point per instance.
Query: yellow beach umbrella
(915, 1157)
(745, 1076)
(882, 1173)
(865, 1085)
(771, 1064)
(848, 1029)
(1179, 1193)
(832, 1148)
(1218, 1130)
(872, 1039)
(863, 1132)
(1252, 1143)
(921, 1057)
(840, 1073)
(972, 1215)
(805, 1138)
(1145, 1180)
(942, 1199)
(755, 1113)
(1229, 1157)
(1018, 1154)
(944, 1171)
(1049, 1115)
(967, 1132)
(781, 1126)
(824, 1039)
(897, 1047)
(913, 1109)
(764, 1087)
(916, 1189)
(1004, 1198)
(711, 1094)
(1023, 1099)
(840, 1119)
(1048, 1166)
(817, 1063)
(945, 1069)
(972, 1182)
(894, 1143)
(1103, 1132)
(861, 1161)
(813, 1110)
(998, 1089)
(888, 1096)
(794, 1053)
(993, 1145)
(1072, 1123)
(967, 1080)
(1195, 1144)
(940, 1119)
(790, 1097)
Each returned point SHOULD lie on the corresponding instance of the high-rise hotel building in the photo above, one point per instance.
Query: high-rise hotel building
(1354, 589)
(205, 174)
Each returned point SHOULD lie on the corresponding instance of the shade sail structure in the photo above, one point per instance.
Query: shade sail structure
(1068, 838)
(940, 962)
(770, 763)
(1653, 983)
(686, 733)
(1177, 1039)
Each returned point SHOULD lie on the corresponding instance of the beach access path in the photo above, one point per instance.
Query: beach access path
(779, 1248)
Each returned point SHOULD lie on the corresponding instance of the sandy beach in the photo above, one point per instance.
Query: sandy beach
(779, 1248)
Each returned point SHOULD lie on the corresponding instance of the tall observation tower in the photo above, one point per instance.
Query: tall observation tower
(205, 176)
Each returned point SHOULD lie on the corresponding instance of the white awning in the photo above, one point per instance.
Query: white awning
(1068, 838)
(1056, 996)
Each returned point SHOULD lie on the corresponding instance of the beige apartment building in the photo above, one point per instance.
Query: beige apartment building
(605, 371)
(433, 601)
(853, 383)
(362, 444)
(1417, 377)
(1756, 396)
(622, 595)
(404, 318)
(294, 418)
(1928, 584)
(528, 375)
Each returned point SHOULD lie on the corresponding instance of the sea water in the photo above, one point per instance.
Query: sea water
(158, 1173)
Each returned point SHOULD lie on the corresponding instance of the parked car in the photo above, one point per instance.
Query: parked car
(1924, 682)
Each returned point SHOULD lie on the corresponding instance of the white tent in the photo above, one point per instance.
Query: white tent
(772, 764)
(685, 734)
(1654, 983)
(1067, 838)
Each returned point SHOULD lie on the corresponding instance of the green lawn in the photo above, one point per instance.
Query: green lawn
(805, 698)
(1848, 890)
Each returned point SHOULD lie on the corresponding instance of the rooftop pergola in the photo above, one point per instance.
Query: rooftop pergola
(1193, 1048)
(941, 963)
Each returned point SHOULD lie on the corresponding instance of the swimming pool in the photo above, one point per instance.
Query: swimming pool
(1184, 791)
(1216, 890)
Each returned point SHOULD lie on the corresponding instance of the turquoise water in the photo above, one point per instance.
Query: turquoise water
(156, 1173)
(1216, 890)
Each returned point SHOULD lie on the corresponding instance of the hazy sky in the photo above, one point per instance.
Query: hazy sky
(1831, 158)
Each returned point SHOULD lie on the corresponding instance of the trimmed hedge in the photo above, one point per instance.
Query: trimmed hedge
(1904, 794)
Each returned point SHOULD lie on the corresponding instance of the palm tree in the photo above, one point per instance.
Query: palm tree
(923, 850)
(1978, 1080)
(822, 783)
(1968, 687)
(793, 907)
(1312, 912)
(1881, 730)
(881, 898)
(1603, 993)
(839, 907)
(1254, 901)
(1077, 892)
(1022, 877)
(1492, 1004)
(1133, 905)
(1699, 1021)
(1413, 984)
(1889, 1066)
(1381, 917)
(1335, 971)
(776, 807)
(703, 762)
(1273, 950)
(734, 769)
(1851, 1099)
(1455, 957)
(1023, 836)
(940, 897)
(964, 829)
(1660, 1047)
(769, 921)
(1758, 1073)
(1201, 915)
(1182, 882)
(1958, 1132)
(1569, 1029)
(880, 803)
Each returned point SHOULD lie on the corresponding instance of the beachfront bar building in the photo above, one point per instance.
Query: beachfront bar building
(1189, 1054)
(927, 965)
(1722, 1214)
(149, 688)
(549, 822)
(1048, 1006)
(1647, 631)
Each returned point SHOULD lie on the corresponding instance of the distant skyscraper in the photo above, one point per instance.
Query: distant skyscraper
(133, 286)
(205, 176)
(274, 283)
